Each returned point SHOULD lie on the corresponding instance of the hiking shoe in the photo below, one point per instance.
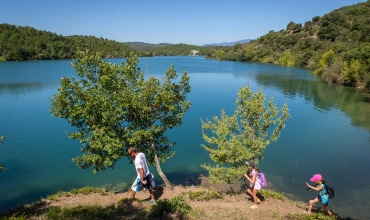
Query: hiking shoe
(253, 207)
(152, 201)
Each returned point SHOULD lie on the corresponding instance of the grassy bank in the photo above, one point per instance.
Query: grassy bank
(179, 203)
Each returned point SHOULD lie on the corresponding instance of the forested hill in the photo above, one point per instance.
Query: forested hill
(335, 46)
(180, 50)
(140, 46)
(27, 43)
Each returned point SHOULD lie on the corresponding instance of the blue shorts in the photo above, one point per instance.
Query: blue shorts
(324, 201)
(137, 185)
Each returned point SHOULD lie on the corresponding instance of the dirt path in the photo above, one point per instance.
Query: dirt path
(231, 206)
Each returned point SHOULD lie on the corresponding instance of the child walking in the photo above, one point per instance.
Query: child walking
(323, 195)
(254, 184)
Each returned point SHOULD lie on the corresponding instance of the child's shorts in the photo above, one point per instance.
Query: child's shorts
(324, 201)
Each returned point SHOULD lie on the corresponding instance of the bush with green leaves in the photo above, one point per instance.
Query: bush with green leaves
(175, 205)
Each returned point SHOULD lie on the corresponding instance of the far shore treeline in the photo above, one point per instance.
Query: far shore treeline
(27, 43)
(335, 46)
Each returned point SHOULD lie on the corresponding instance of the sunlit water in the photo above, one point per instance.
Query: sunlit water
(328, 131)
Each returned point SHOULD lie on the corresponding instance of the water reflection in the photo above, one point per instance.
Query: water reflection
(324, 96)
(16, 89)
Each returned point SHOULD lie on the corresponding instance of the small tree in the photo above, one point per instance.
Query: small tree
(352, 72)
(287, 59)
(232, 140)
(1, 165)
(113, 107)
(326, 60)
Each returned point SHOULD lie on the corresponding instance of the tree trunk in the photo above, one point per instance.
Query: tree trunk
(159, 170)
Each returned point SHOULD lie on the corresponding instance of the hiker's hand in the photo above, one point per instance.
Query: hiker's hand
(245, 175)
(309, 186)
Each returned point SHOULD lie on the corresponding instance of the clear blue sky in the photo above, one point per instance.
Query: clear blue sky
(194, 22)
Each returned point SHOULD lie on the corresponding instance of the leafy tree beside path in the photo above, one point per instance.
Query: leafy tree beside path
(232, 140)
(113, 108)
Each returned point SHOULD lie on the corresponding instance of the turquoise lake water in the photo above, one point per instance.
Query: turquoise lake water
(328, 131)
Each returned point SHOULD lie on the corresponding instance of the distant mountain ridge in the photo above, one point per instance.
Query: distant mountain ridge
(228, 43)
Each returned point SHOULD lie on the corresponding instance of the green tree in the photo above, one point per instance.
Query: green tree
(231, 140)
(249, 54)
(1, 164)
(287, 59)
(352, 72)
(326, 60)
(113, 108)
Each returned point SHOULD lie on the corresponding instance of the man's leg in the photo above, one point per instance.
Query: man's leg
(133, 193)
(151, 191)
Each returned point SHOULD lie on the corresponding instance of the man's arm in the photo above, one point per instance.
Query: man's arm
(141, 171)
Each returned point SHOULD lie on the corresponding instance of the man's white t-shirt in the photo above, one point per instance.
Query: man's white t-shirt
(140, 162)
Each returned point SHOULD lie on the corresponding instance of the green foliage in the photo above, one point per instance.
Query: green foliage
(205, 195)
(141, 46)
(334, 73)
(353, 72)
(84, 190)
(326, 60)
(344, 31)
(113, 108)
(82, 212)
(312, 216)
(15, 217)
(1, 165)
(27, 43)
(87, 190)
(177, 49)
(55, 196)
(176, 204)
(267, 193)
(287, 59)
(194, 195)
(231, 140)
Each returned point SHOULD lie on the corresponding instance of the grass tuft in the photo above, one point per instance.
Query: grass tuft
(205, 195)
(268, 193)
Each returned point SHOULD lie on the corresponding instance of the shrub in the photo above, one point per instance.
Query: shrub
(176, 204)
(333, 73)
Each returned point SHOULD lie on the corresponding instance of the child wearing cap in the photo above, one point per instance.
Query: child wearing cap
(323, 195)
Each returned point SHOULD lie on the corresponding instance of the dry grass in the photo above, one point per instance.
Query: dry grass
(218, 202)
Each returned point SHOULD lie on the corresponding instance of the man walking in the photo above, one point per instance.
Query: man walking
(144, 178)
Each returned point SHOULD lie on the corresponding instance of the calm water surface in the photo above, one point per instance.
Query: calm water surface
(328, 131)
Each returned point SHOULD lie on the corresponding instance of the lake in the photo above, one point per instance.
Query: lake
(327, 133)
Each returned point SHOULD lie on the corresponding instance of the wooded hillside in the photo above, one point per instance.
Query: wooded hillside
(27, 43)
(335, 46)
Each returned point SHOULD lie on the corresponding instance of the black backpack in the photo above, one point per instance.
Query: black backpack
(329, 191)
